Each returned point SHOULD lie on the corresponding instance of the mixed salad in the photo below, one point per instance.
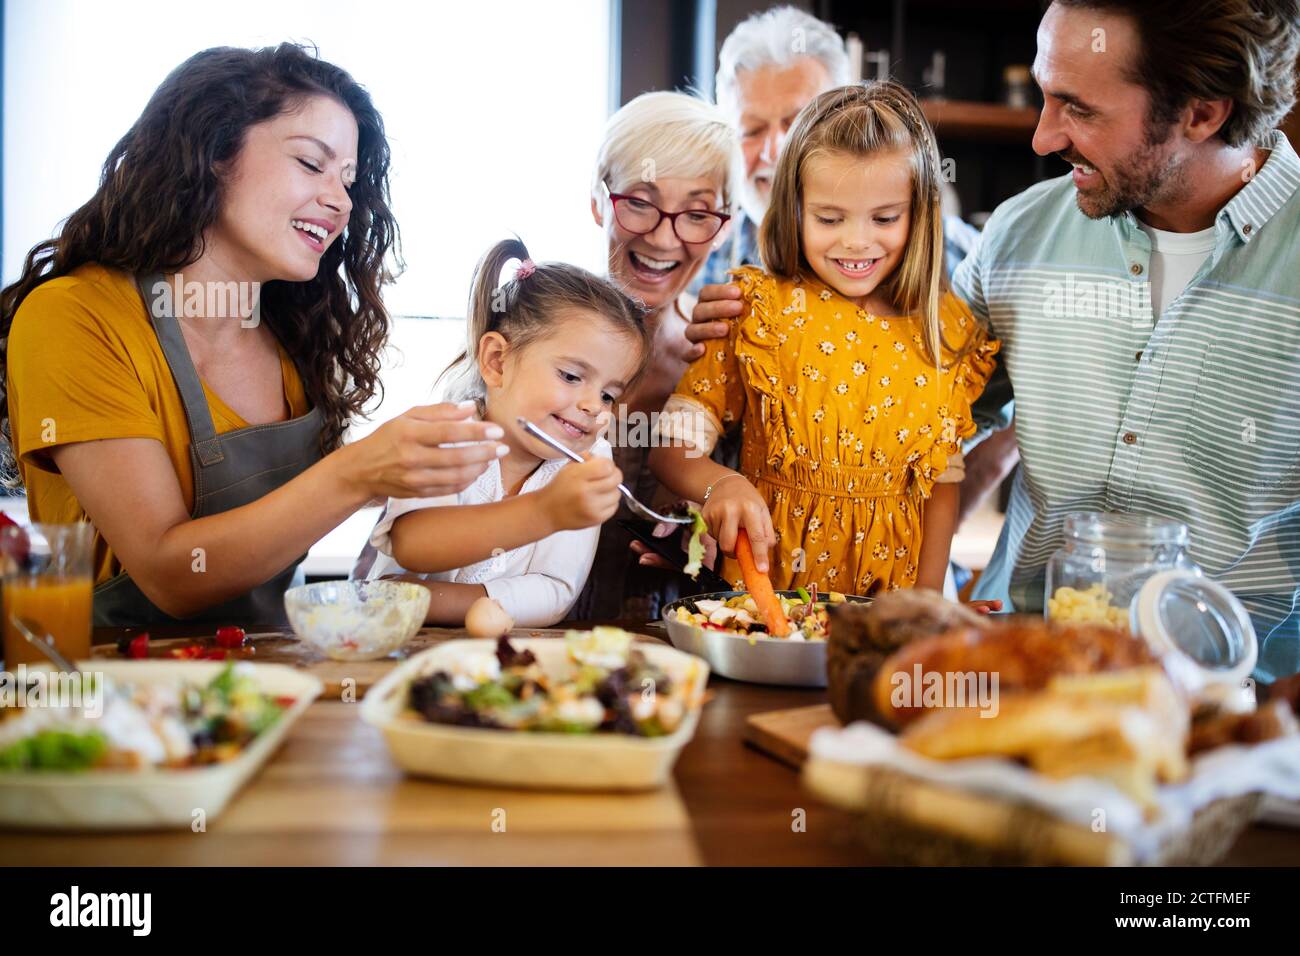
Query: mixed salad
(807, 619)
(609, 686)
(135, 727)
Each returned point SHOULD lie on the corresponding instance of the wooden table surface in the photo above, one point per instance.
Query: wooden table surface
(332, 796)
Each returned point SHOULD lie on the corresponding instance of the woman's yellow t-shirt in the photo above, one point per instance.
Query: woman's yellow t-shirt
(86, 364)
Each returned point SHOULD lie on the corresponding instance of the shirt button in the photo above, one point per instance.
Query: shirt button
(1247, 229)
(1136, 268)
(1130, 438)
(1138, 357)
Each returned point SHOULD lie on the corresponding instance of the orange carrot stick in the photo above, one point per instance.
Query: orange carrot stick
(759, 586)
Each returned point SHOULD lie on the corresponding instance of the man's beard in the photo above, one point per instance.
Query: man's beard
(1150, 174)
(755, 203)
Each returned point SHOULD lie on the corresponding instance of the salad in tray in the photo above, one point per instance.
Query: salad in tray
(608, 687)
(762, 612)
(115, 725)
(807, 619)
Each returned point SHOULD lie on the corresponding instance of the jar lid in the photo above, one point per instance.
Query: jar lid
(1199, 627)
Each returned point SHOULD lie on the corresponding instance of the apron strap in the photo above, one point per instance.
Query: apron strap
(203, 432)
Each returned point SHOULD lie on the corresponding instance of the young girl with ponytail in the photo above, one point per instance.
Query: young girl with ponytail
(557, 346)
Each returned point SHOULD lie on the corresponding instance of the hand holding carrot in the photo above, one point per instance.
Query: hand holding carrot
(735, 504)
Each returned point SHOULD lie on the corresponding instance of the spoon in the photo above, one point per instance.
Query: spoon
(43, 644)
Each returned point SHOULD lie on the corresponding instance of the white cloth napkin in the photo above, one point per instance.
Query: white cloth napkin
(1272, 768)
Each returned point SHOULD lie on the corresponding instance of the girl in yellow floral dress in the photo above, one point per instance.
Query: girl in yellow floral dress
(851, 371)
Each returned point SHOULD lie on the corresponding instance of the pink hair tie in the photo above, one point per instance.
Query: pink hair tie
(526, 268)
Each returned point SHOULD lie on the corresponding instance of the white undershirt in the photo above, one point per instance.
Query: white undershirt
(1175, 258)
(537, 582)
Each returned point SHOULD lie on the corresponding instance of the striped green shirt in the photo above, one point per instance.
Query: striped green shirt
(1192, 415)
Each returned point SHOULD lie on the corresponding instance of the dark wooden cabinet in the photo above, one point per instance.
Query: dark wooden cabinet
(988, 141)
(666, 44)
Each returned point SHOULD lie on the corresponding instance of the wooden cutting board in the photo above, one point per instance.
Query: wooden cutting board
(785, 734)
(343, 680)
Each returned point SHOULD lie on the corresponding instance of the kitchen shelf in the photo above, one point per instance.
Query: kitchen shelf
(966, 119)
(988, 142)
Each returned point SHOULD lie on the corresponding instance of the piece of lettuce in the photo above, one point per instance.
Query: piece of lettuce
(489, 696)
(54, 750)
(695, 547)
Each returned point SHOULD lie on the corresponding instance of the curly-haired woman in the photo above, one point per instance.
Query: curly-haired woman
(182, 360)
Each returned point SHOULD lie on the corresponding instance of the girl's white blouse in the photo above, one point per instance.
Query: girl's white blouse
(536, 583)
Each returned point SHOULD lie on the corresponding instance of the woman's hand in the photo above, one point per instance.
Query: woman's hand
(736, 504)
(409, 456)
(717, 303)
(581, 496)
(984, 607)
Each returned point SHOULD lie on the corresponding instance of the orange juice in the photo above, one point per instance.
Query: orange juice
(54, 605)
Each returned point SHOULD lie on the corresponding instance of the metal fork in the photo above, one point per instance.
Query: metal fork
(635, 505)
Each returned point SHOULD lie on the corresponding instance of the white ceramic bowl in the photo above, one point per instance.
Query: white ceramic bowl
(512, 758)
(357, 620)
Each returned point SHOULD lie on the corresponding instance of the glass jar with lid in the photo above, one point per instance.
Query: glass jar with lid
(1133, 572)
(1104, 561)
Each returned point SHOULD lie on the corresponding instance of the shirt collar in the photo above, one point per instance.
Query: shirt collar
(1269, 189)
(744, 241)
(1245, 214)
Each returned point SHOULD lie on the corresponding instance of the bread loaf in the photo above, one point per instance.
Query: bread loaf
(1024, 654)
(862, 636)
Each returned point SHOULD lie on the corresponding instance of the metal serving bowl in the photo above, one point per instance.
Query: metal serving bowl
(751, 658)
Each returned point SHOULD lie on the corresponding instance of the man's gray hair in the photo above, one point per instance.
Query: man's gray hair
(778, 37)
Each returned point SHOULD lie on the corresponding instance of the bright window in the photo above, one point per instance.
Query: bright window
(493, 111)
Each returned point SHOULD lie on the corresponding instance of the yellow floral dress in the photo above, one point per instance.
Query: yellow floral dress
(846, 425)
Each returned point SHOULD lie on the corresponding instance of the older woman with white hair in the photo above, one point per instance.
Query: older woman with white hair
(666, 176)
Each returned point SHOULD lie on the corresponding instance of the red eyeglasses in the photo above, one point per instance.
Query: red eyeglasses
(640, 216)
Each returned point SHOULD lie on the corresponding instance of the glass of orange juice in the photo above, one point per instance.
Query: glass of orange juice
(48, 584)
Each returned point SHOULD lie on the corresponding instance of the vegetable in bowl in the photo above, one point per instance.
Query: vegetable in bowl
(739, 615)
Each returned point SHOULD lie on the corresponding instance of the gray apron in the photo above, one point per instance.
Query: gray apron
(230, 470)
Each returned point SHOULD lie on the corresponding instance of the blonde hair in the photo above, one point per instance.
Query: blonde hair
(668, 134)
(525, 308)
(865, 121)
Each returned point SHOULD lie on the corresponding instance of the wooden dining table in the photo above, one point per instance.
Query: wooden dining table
(332, 795)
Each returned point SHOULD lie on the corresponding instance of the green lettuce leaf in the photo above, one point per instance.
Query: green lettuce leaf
(54, 750)
(695, 547)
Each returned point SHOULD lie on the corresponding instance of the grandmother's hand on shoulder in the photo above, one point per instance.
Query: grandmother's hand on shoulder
(716, 305)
